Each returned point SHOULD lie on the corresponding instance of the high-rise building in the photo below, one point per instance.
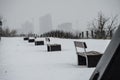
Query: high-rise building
(65, 27)
(45, 23)
(27, 27)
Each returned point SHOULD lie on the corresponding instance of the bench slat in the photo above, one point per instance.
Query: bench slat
(80, 44)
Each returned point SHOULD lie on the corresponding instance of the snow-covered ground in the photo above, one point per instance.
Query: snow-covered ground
(20, 60)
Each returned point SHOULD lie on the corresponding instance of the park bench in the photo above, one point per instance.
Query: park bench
(52, 47)
(90, 58)
(31, 40)
(26, 38)
(39, 41)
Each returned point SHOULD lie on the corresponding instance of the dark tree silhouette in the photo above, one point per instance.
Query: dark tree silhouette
(61, 34)
(103, 26)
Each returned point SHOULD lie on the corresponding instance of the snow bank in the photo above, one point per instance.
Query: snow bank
(20, 60)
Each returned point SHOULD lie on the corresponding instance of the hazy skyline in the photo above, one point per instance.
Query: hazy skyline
(45, 23)
(65, 27)
(77, 12)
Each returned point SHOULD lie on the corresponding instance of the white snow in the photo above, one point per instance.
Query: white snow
(20, 60)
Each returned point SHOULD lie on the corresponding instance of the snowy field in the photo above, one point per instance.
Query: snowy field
(20, 60)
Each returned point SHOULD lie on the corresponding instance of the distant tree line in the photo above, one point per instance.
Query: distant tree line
(61, 34)
(7, 32)
(79, 35)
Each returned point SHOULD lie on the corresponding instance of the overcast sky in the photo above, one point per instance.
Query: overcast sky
(79, 12)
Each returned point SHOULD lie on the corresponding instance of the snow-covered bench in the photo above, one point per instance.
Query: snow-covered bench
(31, 39)
(26, 38)
(90, 59)
(52, 47)
(39, 41)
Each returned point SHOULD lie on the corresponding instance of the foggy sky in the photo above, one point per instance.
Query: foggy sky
(78, 12)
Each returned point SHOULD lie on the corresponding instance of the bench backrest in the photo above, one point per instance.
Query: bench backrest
(47, 39)
(80, 44)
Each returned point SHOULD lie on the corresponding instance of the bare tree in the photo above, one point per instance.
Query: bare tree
(103, 26)
(111, 26)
